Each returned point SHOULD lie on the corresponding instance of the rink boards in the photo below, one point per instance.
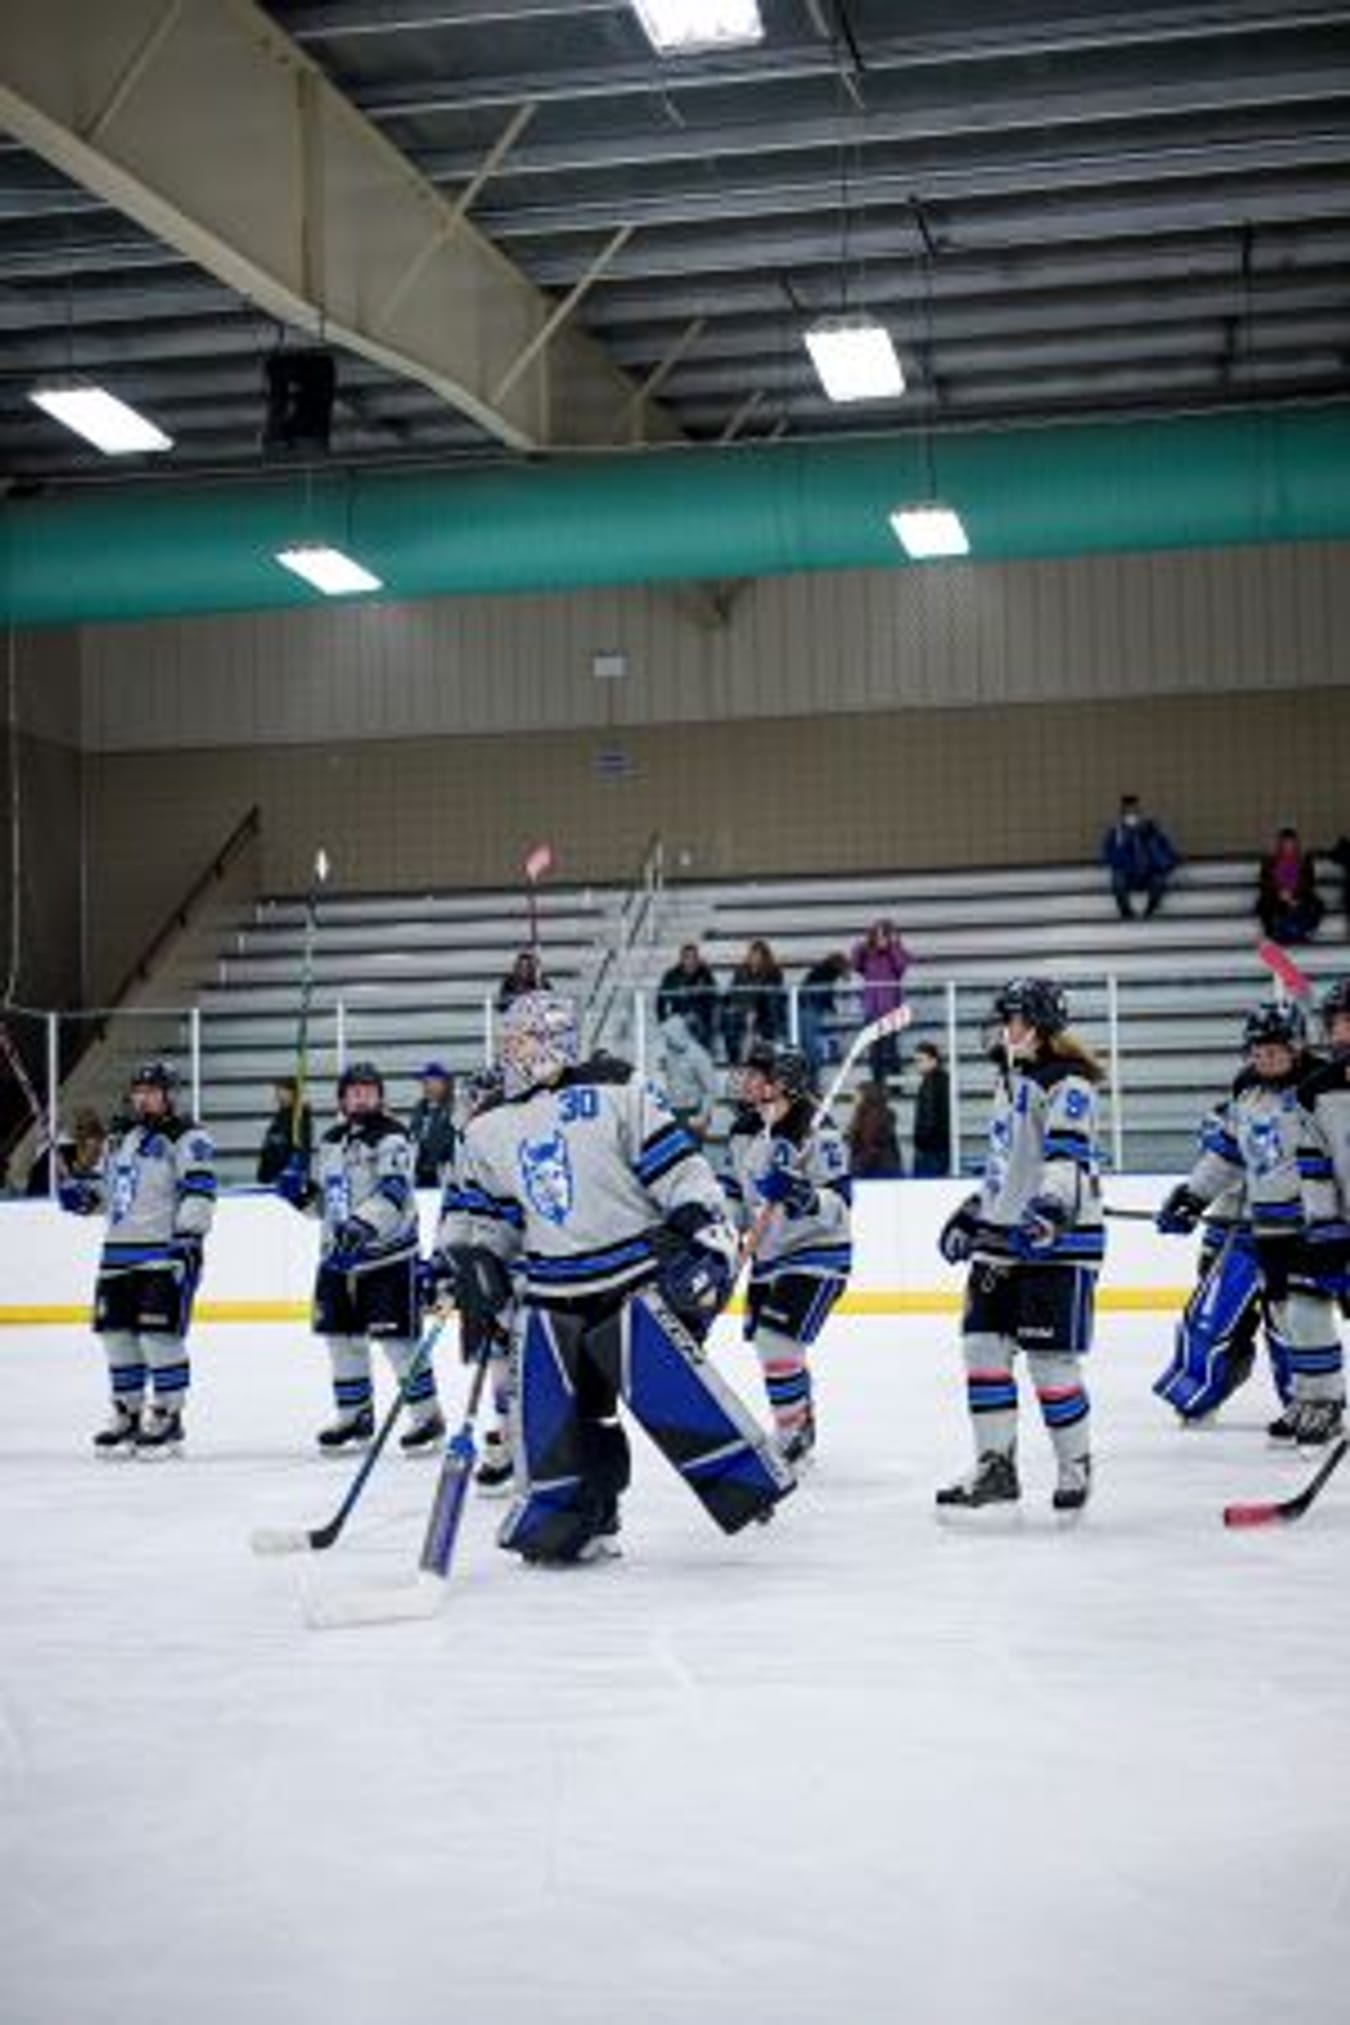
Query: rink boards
(260, 1258)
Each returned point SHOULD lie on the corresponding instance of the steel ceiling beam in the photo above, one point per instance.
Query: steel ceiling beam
(411, 17)
(318, 214)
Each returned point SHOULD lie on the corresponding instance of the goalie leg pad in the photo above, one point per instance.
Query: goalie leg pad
(699, 1424)
(1213, 1351)
(571, 1453)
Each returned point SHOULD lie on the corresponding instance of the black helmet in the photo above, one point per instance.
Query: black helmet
(155, 1075)
(359, 1072)
(787, 1067)
(1275, 1021)
(1336, 999)
(1037, 1000)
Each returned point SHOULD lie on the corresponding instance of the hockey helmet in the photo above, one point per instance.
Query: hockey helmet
(539, 1040)
(787, 1068)
(155, 1075)
(1335, 1001)
(1273, 1021)
(359, 1073)
(1038, 1000)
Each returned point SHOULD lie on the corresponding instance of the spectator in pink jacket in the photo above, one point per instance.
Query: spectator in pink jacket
(881, 960)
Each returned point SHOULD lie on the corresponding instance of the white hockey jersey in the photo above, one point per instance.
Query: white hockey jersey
(158, 1184)
(819, 1241)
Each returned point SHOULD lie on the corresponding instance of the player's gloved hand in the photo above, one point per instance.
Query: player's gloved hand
(350, 1241)
(80, 1198)
(1180, 1213)
(476, 1280)
(698, 1255)
(784, 1187)
(293, 1184)
(956, 1239)
(1042, 1222)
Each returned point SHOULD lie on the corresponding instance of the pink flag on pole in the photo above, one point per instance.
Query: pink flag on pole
(538, 860)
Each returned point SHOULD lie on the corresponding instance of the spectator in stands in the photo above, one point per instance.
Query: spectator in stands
(525, 974)
(690, 989)
(755, 1005)
(932, 1112)
(1287, 899)
(873, 1136)
(431, 1125)
(286, 1133)
(817, 1002)
(881, 960)
(688, 1076)
(1140, 857)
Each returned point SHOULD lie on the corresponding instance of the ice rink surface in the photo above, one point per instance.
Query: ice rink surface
(858, 1767)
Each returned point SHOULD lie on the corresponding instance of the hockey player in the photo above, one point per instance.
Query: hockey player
(1215, 1346)
(1260, 1139)
(157, 1189)
(365, 1290)
(1034, 1240)
(582, 1178)
(1324, 1170)
(788, 1181)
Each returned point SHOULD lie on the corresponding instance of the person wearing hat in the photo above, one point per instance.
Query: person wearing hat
(431, 1125)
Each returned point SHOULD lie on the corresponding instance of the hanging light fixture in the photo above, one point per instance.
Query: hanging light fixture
(929, 529)
(328, 569)
(109, 424)
(678, 27)
(855, 358)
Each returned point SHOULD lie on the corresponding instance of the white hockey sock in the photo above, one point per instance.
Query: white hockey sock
(126, 1368)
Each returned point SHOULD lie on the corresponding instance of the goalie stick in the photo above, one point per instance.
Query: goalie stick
(1282, 1511)
(315, 1539)
(421, 1598)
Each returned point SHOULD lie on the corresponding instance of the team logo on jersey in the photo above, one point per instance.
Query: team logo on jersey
(546, 1172)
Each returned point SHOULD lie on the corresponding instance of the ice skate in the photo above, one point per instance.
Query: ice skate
(160, 1431)
(1074, 1487)
(495, 1473)
(1317, 1422)
(118, 1437)
(350, 1432)
(424, 1435)
(797, 1446)
(1281, 1433)
(993, 1481)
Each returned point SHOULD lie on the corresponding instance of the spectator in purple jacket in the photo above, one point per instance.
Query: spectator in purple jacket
(881, 960)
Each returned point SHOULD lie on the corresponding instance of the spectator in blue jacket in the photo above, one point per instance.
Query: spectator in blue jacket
(1139, 855)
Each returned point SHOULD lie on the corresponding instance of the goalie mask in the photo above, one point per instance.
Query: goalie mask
(538, 1041)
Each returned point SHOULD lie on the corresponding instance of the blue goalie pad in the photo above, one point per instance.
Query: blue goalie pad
(547, 1404)
(1216, 1336)
(696, 1420)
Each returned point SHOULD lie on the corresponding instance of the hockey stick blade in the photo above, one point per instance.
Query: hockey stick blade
(1282, 966)
(1283, 1511)
(401, 1603)
(280, 1540)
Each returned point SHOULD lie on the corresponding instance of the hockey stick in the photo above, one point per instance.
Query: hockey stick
(421, 1598)
(1283, 968)
(1285, 1510)
(893, 1022)
(314, 1539)
(18, 1068)
(317, 883)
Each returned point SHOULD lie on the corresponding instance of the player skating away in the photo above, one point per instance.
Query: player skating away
(365, 1289)
(788, 1182)
(157, 1189)
(583, 1180)
(1215, 1347)
(1260, 1139)
(1034, 1240)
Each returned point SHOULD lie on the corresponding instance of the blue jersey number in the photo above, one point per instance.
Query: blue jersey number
(578, 1102)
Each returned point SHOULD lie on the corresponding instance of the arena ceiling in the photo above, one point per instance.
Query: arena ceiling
(1059, 210)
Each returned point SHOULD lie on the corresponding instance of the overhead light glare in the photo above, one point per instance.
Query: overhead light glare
(678, 27)
(928, 530)
(109, 424)
(855, 358)
(328, 569)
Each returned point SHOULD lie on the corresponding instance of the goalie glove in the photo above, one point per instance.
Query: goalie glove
(1180, 1213)
(696, 1255)
(476, 1280)
(956, 1239)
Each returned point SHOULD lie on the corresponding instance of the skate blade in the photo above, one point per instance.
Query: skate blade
(1003, 1517)
(506, 1490)
(159, 1455)
(279, 1540)
(596, 1554)
(344, 1610)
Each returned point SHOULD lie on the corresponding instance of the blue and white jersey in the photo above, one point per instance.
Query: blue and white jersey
(819, 1241)
(569, 1179)
(364, 1168)
(158, 1184)
(1324, 1155)
(1043, 1143)
(1255, 1138)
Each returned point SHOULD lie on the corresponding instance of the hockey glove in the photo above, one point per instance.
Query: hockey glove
(782, 1186)
(1043, 1222)
(956, 1239)
(1180, 1213)
(294, 1185)
(476, 1280)
(696, 1251)
(350, 1241)
(79, 1197)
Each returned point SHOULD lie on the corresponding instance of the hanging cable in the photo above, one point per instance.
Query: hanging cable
(15, 817)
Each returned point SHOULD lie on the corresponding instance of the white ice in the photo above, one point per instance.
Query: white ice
(857, 1767)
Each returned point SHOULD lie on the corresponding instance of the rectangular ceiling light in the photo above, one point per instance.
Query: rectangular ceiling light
(675, 27)
(855, 358)
(929, 530)
(328, 569)
(109, 424)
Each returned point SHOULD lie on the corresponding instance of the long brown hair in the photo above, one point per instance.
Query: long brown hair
(1067, 1047)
